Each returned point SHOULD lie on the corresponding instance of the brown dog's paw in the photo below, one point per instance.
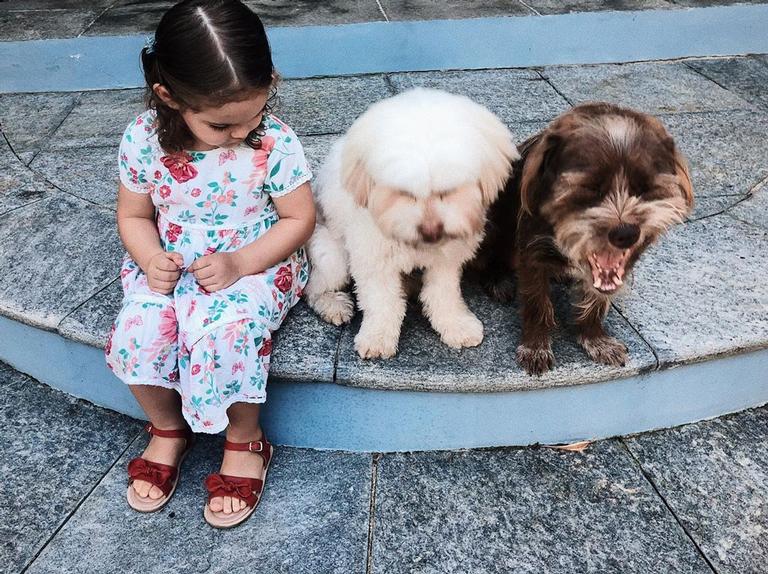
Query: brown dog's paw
(502, 290)
(535, 361)
(605, 350)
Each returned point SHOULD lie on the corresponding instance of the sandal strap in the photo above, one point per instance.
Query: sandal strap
(261, 447)
(160, 475)
(246, 489)
(175, 433)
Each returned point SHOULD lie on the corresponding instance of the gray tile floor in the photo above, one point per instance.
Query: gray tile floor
(685, 500)
(44, 19)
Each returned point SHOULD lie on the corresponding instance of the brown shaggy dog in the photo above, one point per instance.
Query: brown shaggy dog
(590, 193)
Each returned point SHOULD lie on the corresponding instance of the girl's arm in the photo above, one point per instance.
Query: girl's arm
(296, 224)
(138, 232)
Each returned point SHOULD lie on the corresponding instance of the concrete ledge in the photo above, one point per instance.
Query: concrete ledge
(331, 416)
(98, 63)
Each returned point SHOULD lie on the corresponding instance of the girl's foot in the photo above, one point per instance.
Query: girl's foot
(164, 451)
(238, 463)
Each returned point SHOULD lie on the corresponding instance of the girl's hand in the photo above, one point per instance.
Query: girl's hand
(163, 271)
(216, 271)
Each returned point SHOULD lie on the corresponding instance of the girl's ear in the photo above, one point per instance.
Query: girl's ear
(163, 93)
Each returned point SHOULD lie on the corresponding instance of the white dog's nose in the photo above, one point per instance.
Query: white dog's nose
(431, 231)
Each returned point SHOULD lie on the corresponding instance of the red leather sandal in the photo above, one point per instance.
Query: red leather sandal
(246, 489)
(163, 476)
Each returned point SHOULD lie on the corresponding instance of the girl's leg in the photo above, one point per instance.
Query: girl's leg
(243, 427)
(163, 409)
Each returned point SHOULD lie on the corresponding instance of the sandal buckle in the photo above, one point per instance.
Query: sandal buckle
(250, 446)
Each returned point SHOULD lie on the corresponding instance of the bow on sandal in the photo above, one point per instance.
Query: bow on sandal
(163, 476)
(248, 490)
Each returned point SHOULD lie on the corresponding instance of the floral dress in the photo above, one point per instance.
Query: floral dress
(213, 348)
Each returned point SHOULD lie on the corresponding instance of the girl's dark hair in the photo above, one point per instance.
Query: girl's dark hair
(206, 53)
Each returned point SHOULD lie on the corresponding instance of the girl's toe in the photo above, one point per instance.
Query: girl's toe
(216, 504)
(155, 493)
(227, 505)
(142, 488)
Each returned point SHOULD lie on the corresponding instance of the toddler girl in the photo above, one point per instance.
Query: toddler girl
(213, 207)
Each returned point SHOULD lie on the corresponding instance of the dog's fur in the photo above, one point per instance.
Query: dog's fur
(407, 188)
(590, 193)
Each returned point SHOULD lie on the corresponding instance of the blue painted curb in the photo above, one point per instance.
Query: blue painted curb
(329, 416)
(98, 63)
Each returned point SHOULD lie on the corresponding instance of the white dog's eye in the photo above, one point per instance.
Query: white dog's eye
(406, 195)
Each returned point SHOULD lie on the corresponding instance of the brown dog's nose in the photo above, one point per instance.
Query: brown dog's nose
(431, 232)
(624, 235)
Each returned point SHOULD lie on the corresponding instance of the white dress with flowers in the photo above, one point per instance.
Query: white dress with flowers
(213, 348)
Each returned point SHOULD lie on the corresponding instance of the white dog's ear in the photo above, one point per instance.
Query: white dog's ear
(494, 178)
(358, 183)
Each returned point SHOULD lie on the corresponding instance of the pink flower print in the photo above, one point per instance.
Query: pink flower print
(133, 322)
(195, 369)
(108, 347)
(226, 156)
(173, 232)
(259, 160)
(158, 175)
(283, 279)
(164, 191)
(210, 250)
(207, 423)
(192, 307)
(139, 121)
(252, 209)
(266, 348)
(179, 166)
(267, 144)
(134, 175)
(173, 376)
(168, 328)
(195, 192)
(238, 366)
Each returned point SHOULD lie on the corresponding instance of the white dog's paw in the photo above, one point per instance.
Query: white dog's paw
(375, 345)
(335, 307)
(462, 331)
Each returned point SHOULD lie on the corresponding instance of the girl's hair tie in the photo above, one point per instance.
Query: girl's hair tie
(149, 45)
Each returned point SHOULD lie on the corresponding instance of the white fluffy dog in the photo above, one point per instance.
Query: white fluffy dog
(406, 188)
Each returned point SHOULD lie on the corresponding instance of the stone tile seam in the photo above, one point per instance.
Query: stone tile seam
(92, 22)
(4, 213)
(372, 512)
(381, 9)
(531, 8)
(337, 353)
(554, 87)
(77, 506)
(654, 352)
(726, 211)
(75, 102)
(647, 475)
(81, 304)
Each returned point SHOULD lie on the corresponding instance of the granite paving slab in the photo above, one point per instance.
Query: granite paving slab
(746, 77)
(44, 5)
(524, 511)
(701, 292)
(55, 449)
(309, 352)
(316, 149)
(313, 13)
(424, 363)
(304, 523)
(545, 7)
(452, 9)
(514, 95)
(754, 209)
(44, 24)
(54, 255)
(19, 185)
(650, 87)
(725, 151)
(91, 322)
(87, 173)
(98, 119)
(128, 17)
(714, 476)
(327, 105)
(29, 120)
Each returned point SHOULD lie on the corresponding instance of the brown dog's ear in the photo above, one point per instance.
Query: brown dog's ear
(684, 178)
(537, 153)
(358, 182)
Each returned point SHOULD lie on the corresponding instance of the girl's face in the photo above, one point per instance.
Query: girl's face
(226, 125)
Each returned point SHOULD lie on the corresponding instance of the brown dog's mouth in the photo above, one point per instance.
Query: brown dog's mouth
(608, 270)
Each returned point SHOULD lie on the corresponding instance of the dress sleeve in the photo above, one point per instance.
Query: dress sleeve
(135, 157)
(287, 167)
